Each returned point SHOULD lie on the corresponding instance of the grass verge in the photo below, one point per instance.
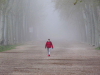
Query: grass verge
(6, 48)
(98, 48)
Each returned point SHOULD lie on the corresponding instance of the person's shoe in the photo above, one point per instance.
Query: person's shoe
(49, 55)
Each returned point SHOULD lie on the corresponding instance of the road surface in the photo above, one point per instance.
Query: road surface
(67, 58)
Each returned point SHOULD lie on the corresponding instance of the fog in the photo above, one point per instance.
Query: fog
(29, 20)
(47, 23)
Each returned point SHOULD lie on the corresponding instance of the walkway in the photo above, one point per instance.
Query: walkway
(67, 58)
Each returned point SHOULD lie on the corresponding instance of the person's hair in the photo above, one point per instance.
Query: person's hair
(48, 39)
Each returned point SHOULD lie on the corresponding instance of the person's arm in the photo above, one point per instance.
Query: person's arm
(46, 45)
(51, 44)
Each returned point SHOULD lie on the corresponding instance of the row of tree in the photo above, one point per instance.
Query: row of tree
(86, 14)
(91, 14)
(17, 16)
(13, 21)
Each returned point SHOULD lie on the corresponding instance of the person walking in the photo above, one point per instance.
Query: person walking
(48, 45)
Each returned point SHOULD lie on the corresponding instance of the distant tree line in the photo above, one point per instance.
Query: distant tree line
(13, 21)
(87, 14)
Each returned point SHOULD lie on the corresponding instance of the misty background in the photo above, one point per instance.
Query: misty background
(50, 24)
(31, 20)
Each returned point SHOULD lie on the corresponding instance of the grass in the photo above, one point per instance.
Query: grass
(6, 48)
(98, 48)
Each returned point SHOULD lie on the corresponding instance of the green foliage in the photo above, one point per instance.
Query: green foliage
(8, 47)
(98, 48)
(81, 1)
(75, 2)
(2, 1)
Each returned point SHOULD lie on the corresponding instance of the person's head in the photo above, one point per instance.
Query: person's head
(48, 39)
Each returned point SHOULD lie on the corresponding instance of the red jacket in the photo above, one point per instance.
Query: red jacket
(48, 44)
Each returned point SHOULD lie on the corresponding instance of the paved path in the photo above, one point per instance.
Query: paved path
(66, 59)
